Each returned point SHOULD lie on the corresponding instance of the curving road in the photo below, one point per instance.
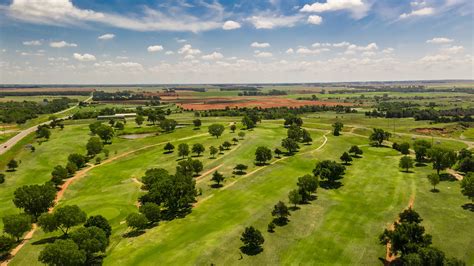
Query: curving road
(22, 134)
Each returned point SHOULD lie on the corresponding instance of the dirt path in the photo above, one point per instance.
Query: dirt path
(77, 176)
(388, 256)
(201, 177)
(454, 173)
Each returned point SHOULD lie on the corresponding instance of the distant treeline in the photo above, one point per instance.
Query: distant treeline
(259, 93)
(42, 93)
(276, 112)
(414, 88)
(403, 110)
(239, 88)
(173, 89)
(20, 112)
(122, 96)
(95, 113)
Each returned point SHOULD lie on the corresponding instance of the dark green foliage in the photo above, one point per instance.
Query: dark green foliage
(217, 177)
(59, 172)
(233, 127)
(307, 185)
(21, 111)
(329, 171)
(198, 148)
(151, 211)
(263, 154)
(213, 151)
(280, 212)
(226, 145)
(63, 218)
(248, 122)
(346, 158)
(34, 199)
(379, 135)
(406, 162)
(169, 147)
(337, 127)
(252, 240)
(94, 126)
(136, 221)
(292, 119)
(119, 125)
(421, 148)
(6, 244)
(105, 132)
(290, 145)
(16, 225)
(295, 133)
(43, 132)
(240, 169)
(90, 239)
(271, 227)
(355, 150)
(2, 178)
(71, 168)
(434, 180)
(62, 252)
(295, 197)
(139, 120)
(183, 150)
(216, 130)
(168, 125)
(189, 166)
(100, 222)
(197, 123)
(306, 137)
(78, 159)
(466, 165)
(441, 158)
(467, 186)
(278, 152)
(94, 146)
(12, 165)
(404, 148)
(241, 135)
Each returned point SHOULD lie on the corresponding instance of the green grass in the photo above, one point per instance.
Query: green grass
(340, 227)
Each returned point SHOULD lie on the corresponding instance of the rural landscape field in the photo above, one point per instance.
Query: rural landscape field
(235, 132)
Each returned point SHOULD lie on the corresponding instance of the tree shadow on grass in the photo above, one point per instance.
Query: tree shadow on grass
(167, 215)
(468, 206)
(216, 185)
(294, 208)
(47, 240)
(407, 172)
(447, 177)
(419, 164)
(167, 152)
(251, 251)
(134, 233)
(330, 185)
(434, 190)
(281, 221)
(356, 156)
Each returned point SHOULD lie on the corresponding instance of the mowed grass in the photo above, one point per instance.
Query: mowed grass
(340, 227)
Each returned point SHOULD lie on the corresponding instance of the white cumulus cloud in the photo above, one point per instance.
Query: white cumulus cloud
(189, 50)
(290, 51)
(440, 40)
(270, 21)
(231, 25)
(358, 8)
(84, 57)
(62, 44)
(32, 43)
(108, 36)
(260, 45)
(425, 11)
(154, 48)
(263, 54)
(213, 56)
(315, 19)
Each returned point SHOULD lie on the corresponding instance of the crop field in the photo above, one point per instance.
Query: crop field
(339, 225)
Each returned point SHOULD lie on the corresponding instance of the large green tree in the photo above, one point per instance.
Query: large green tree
(252, 240)
(100, 222)
(63, 218)
(263, 154)
(290, 145)
(34, 199)
(216, 130)
(467, 186)
(329, 171)
(442, 158)
(105, 132)
(16, 225)
(379, 135)
(62, 252)
(94, 146)
(90, 239)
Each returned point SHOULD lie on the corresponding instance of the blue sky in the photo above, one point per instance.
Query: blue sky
(211, 41)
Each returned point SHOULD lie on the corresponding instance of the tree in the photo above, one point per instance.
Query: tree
(278, 152)
(307, 185)
(58, 174)
(467, 186)
(100, 222)
(43, 132)
(12, 165)
(152, 211)
(421, 148)
(252, 240)
(295, 197)
(294, 132)
(62, 252)
(217, 177)
(355, 150)
(216, 130)
(71, 168)
(466, 165)
(233, 127)
(271, 227)
(240, 169)
(34, 199)
(464, 154)
(442, 158)
(6, 244)
(63, 218)
(139, 120)
(379, 135)
(119, 125)
(329, 170)
(168, 125)
(78, 159)
(263, 154)
(235, 141)
(94, 146)
(241, 135)
(185, 167)
(197, 123)
(337, 127)
(226, 145)
(94, 126)
(346, 158)
(169, 147)
(136, 221)
(434, 180)
(197, 166)
(404, 148)
(198, 148)
(105, 133)
(183, 150)
(213, 151)
(281, 212)
(406, 162)
(290, 145)
(2, 178)
(248, 122)
(90, 239)
(306, 137)
(16, 225)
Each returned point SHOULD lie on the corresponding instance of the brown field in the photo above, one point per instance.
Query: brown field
(219, 103)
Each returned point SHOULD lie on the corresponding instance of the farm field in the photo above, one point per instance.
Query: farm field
(340, 226)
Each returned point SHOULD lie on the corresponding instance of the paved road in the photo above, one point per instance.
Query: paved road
(15, 139)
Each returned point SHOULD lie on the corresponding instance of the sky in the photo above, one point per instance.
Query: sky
(242, 41)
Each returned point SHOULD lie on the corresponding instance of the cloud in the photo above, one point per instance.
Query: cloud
(388, 50)
(315, 19)
(425, 11)
(213, 56)
(290, 51)
(260, 45)
(65, 13)
(270, 21)
(231, 25)
(62, 44)
(154, 48)
(263, 54)
(358, 8)
(121, 57)
(305, 50)
(341, 44)
(188, 50)
(108, 36)
(181, 40)
(32, 43)
(440, 40)
(84, 57)
(169, 52)
(189, 57)
(453, 49)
